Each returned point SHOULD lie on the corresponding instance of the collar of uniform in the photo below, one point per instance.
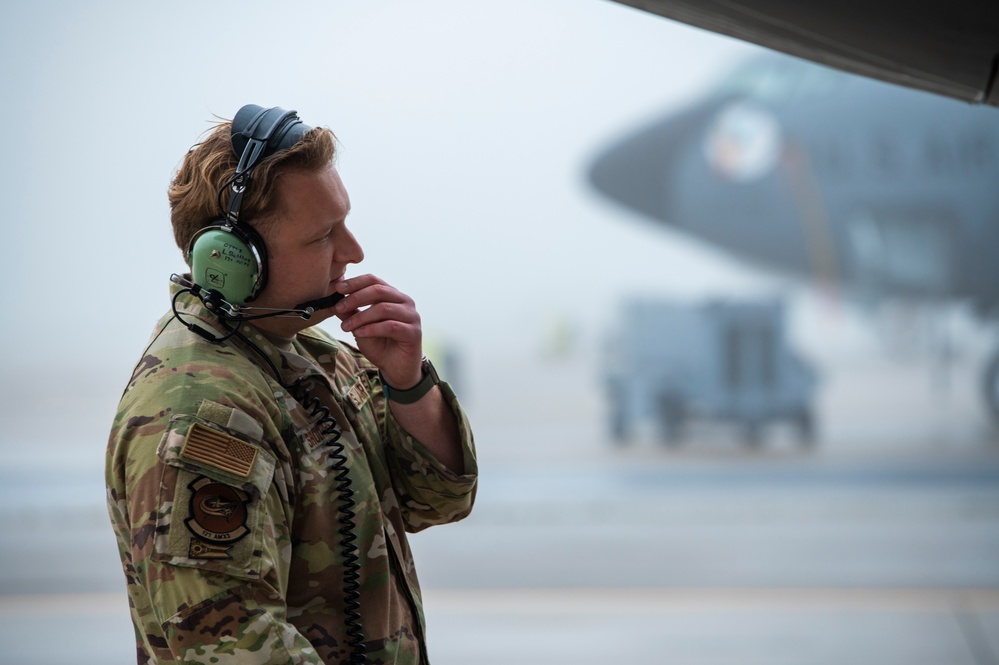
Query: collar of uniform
(290, 361)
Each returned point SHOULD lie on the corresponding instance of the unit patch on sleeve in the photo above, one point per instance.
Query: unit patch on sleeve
(217, 519)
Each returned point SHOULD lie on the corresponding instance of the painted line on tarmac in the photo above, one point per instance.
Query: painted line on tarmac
(76, 603)
(626, 601)
(605, 600)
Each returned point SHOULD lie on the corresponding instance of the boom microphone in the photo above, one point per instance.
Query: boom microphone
(310, 306)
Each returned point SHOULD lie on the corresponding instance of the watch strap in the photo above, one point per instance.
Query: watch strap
(410, 395)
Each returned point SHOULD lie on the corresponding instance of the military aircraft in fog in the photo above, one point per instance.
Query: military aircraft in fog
(879, 189)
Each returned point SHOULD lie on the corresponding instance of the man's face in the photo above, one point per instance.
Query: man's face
(308, 246)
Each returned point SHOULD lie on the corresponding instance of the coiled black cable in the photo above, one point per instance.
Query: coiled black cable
(331, 433)
(348, 545)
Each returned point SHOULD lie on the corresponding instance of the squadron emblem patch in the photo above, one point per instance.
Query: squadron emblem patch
(218, 515)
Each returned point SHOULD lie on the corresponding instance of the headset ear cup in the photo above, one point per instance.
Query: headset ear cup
(225, 259)
(259, 250)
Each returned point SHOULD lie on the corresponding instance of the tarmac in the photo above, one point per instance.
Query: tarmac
(879, 545)
(543, 626)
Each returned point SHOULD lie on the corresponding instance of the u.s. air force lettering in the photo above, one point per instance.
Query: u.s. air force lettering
(217, 518)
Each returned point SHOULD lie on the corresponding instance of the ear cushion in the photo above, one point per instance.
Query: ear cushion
(230, 260)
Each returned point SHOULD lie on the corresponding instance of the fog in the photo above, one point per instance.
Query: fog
(465, 132)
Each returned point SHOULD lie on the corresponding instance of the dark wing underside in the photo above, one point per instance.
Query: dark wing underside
(948, 47)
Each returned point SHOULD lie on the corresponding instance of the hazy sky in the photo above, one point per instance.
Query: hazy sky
(466, 129)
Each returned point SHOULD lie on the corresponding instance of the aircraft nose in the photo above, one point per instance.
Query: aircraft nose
(638, 171)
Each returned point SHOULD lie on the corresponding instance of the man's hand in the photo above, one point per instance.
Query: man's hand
(385, 326)
(387, 330)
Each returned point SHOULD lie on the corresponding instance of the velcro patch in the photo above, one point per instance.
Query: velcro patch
(358, 394)
(219, 450)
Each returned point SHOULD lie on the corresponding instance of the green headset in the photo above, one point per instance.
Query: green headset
(228, 257)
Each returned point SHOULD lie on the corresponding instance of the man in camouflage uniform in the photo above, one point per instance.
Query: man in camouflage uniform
(221, 486)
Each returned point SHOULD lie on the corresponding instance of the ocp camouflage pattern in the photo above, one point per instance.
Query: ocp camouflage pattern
(225, 510)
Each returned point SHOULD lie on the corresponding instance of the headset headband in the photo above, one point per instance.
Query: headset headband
(258, 133)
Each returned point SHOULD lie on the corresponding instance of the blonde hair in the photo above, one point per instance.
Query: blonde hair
(209, 165)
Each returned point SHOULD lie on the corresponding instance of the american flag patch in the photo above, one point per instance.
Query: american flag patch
(219, 450)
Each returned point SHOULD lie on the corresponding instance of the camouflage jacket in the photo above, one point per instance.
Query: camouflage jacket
(226, 511)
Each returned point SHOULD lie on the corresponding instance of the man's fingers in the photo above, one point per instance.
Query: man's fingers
(370, 295)
(355, 284)
(397, 331)
(383, 311)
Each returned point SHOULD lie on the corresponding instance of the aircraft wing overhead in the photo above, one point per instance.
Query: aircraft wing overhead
(948, 47)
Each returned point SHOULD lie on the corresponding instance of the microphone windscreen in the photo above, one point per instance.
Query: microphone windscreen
(321, 303)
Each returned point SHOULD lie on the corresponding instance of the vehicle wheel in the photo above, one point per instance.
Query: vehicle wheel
(752, 433)
(805, 423)
(991, 387)
(672, 417)
(618, 426)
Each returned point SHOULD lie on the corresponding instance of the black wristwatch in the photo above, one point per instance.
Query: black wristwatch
(429, 380)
